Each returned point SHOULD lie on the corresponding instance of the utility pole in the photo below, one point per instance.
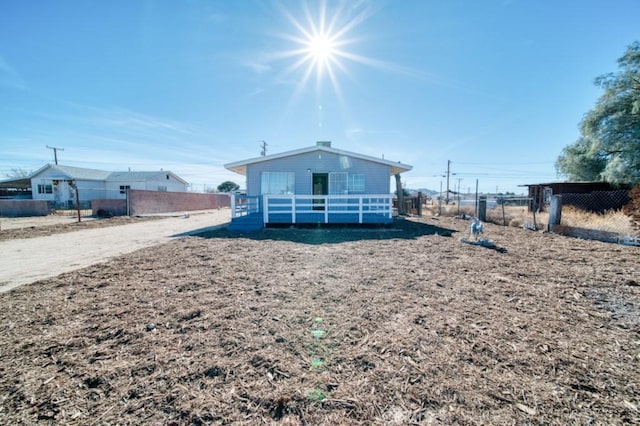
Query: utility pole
(448, 172)
(476, 212)
(55, 152)
(264, 149)
(459, 179)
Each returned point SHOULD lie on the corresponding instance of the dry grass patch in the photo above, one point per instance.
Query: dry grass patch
(611, 221)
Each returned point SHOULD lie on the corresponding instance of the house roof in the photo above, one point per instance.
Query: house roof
(69, 172)
(129, 176)
(583, 183)
(240, 167)
(20, 183)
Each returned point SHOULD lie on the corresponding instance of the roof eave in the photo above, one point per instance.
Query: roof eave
(400, 168)
(240, 167)
(241, 170)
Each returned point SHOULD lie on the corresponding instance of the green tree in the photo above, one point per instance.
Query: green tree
(405, 193)
(582, 161)
(609, 146)
(228, 186)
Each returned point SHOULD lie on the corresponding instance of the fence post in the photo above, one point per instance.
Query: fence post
(293, 209)
(233, 205)
(265, 208)
(555, 211)
(78, 202)
(482, 208)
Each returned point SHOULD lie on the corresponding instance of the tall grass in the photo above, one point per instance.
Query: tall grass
(611, 221)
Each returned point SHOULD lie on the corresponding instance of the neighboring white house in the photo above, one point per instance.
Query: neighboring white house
(57, 183)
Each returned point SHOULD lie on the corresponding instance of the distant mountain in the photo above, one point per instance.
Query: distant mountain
(427, 192)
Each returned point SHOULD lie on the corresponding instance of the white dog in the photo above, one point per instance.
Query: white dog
(476, 228)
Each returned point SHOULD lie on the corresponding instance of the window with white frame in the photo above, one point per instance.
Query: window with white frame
(45, 188)
(277, 183)
(355, 183)
(338, 183)
(123, 188)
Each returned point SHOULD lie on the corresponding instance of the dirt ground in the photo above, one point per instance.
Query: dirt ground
(40, 221)
(403, 325)
(44, 249)
(13, 228)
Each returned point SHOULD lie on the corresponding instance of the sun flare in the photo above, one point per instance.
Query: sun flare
(321, 42)
(322, 48)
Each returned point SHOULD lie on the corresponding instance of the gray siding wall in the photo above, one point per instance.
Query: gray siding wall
(90, 190)
(377, 176)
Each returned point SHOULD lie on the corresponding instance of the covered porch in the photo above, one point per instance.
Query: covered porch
(299, 209)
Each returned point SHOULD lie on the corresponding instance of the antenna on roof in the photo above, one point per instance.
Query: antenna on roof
(264, 148)
(55, 152)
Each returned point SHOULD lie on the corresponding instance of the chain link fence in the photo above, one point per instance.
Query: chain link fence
(597, 201)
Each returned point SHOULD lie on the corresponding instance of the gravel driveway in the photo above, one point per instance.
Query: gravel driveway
(27, 260)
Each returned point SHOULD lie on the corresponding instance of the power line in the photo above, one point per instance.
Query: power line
(493, 163)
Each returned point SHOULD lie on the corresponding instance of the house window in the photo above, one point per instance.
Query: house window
(162, 188)
(337, 183)
(355, 183)
(342, 183)
(277, 183)
(123, 188)
(45, 189)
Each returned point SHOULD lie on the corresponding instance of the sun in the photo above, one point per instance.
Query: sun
(322, 41)
(322, 54)
(322, 49)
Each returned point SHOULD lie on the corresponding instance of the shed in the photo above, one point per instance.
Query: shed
(540, 193)
(15, 189)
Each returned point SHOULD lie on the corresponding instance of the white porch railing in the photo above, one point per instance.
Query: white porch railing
(327, 205)
(243, 205)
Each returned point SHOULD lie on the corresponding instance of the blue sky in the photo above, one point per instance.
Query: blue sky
(497, 87)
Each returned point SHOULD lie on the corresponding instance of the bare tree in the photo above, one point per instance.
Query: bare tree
(18, 173)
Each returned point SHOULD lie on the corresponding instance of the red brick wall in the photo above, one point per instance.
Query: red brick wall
(146, 202)
(16, 208)
(109, 207)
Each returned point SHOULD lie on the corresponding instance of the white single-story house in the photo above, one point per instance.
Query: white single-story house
(318, 184)
(57, 183)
